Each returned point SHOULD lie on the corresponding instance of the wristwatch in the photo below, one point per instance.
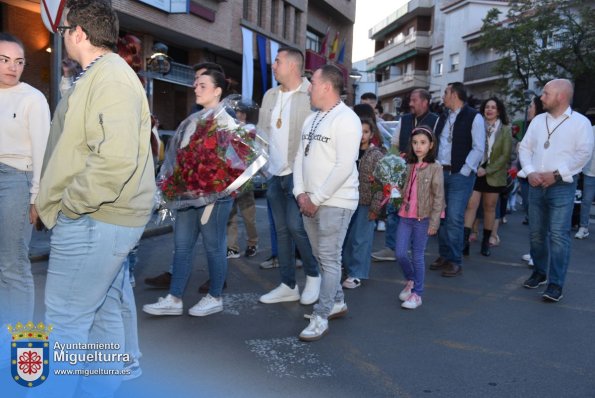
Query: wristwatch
(557, 176)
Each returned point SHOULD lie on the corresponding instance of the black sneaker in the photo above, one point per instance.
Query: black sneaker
(535, 280)
(553, 292)
(251, 251)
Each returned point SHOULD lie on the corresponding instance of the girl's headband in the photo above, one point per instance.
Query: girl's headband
(427, 130)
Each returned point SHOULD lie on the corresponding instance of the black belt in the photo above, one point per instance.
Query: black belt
(446, 167)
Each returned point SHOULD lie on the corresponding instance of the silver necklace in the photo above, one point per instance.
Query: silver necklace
(546, 144)
(314, 127)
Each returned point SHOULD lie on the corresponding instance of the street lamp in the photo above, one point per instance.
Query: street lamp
(355, 75)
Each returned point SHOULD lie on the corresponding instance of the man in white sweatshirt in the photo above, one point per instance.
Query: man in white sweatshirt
(325, 181)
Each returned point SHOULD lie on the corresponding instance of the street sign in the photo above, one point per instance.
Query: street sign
(51, 13)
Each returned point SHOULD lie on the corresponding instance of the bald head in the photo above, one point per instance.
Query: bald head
(557, 96)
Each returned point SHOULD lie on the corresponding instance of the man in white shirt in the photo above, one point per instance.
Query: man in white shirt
(555, 148)
(284, 109)
(326, 183)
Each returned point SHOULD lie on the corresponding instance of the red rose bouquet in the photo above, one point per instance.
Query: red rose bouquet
(211, 156)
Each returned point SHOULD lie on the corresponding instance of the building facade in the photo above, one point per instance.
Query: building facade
(210, 30)
(430, 43)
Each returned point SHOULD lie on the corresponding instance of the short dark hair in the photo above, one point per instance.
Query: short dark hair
(411, 157)
(208, 66)
(97, 19)
(423, 94)
(367, 96)
(294, 53)
(364, 111)
(459, 89)
(380, 108)
(333, 75)
(11, 39)
(499, 105)
(218, 79)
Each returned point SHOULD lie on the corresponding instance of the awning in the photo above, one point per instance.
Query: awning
(395, 60)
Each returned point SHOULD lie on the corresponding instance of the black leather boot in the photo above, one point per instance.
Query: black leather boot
(485, 242)
(466, 241)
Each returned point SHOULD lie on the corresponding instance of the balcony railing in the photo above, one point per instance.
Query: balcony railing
(399, 13)
(419, 41)
(402, 83)
(486, 70)
(178, 74)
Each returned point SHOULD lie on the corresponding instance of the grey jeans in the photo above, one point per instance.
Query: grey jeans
(326, 232)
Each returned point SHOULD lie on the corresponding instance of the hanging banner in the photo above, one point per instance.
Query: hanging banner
(247, 64)
(51, 13)
(262, 57)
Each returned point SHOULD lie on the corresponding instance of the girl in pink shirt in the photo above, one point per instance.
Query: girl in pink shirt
(420, 212)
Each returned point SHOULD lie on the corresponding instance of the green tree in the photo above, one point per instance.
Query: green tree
(544, 39)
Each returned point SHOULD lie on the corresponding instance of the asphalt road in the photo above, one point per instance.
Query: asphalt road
(477, 335)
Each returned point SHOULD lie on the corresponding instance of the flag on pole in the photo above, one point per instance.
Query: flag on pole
(323, 44)
(334, 47)
(341, 56)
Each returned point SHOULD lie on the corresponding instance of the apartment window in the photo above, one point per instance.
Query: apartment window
(274, 11)
(408, 69)
(411, 31)
(312, 41)
(260, 13)
(246, 10)
(438, 67)
(286, 20)
(297, 25)
(454, 62)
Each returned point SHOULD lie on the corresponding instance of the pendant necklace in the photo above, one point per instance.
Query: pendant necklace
(314, 127)
(279, 120)
(546, 144)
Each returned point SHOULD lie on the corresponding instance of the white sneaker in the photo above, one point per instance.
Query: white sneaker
(311, 291)
(165, 306)
(298, 263)
(412, 302)
(385, 254)
(269, 263)
(339, 310)
(526, 257)
(206, 306)
(281, 294)
(381, 227)
(351, 283)
(406, 292)
(582, 233)
(315, 330)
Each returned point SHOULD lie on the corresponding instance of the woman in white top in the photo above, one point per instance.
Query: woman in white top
(25, 121)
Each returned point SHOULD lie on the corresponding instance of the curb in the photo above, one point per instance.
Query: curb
(149, 233)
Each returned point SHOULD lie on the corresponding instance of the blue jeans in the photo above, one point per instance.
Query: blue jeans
(273, 231)
(392, 223)
(524, 187)
(550, 215)
(327, 230)
(588, 196)
(214, 237)
(457, 191)
(357, 249)
(290, 229)
(129, 311)
(17, 293)
(83, 297)
(413, 233)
